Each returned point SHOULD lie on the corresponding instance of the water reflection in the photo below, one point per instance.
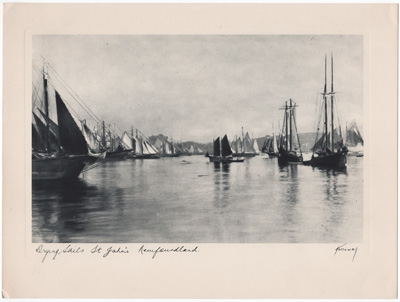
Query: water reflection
(221, 184)
(60, 208)
(166, 201)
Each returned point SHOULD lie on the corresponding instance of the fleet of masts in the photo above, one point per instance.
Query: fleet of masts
(63, 150)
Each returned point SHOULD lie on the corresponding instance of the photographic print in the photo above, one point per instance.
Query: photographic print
(213, 151)
(197, 138)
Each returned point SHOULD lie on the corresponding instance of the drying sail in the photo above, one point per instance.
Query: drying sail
(126, 141)
(41, 130)
(91, 140)
(225, 148)
(71, 138)
(217, 147)
(52, 126)
(247, 144)
(255, 146)
(353, 136)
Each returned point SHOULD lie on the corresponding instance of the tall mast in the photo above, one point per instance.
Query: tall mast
(46, 108)
(332, 127)
(103, 138)
(286, 128)
(243, 144)
(291, 125)
(326, 112)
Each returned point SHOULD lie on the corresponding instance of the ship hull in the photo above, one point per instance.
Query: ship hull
(286, 158)
(59, 168)
(244, 154)
(335, 160)
(118, 154)
(145, 156)
(170, 155)
(218, 159)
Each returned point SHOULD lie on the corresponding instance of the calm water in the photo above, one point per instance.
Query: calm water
(188, 199)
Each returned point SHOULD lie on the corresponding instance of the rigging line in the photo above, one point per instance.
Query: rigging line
(78, 102)
(76, 114)
(38, 96)
(66, 84)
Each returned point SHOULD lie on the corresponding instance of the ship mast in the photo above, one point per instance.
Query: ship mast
(332, 126)
(46, 108)
(103, 138)
(291, 125)
(286, 128)
(326, 112)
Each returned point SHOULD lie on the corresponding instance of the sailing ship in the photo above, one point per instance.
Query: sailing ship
(165, 148)
(142, 149)
(223, 152)
(60, 151)
(245, 146)
(354, 140)
(329, 150)
(115, 146)
(290, 148)
(270, 145)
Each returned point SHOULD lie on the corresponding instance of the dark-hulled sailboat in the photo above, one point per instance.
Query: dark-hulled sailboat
(290, 148)
(329, 151)
(223, 152)
(59, 151)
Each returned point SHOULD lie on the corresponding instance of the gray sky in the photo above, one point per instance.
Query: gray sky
(200, 87)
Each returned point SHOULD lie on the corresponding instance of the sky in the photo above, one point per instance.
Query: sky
(198, 87)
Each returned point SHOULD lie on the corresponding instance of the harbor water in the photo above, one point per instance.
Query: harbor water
(190, 200)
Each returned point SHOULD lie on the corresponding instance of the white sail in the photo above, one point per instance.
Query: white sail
(148, 148)
(159, 145)
(248, 145)
(191, 150)
(255, 146)
(167, 148)
(92, 142)
(126, 141)
(138, 146)
(275, 145)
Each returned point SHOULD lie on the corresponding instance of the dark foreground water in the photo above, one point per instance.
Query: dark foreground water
(188, 200)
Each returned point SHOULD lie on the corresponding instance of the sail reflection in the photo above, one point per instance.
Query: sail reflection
(221, 184)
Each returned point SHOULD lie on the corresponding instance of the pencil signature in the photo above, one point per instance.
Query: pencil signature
(344, 248)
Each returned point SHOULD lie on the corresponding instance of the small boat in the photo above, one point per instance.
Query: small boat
(354, 140)
(329, 150)
(223, 152)
(59, 151)
(270, 146)
(290, 148)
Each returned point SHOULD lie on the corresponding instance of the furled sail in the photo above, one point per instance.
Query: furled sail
(71, 138)
(217, 147)
(225, 148)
